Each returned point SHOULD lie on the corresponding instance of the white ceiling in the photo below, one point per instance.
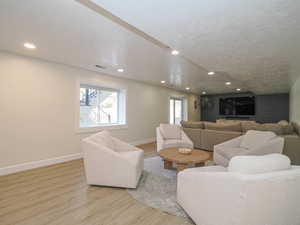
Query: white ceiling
(254, 44)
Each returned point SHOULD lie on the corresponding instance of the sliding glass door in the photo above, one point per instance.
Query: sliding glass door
(176, 110)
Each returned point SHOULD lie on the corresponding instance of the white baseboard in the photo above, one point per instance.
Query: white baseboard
(52, 161)
(40, 163)
(141, 142)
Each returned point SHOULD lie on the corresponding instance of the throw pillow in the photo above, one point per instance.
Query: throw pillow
(259, 164)
(283, 122)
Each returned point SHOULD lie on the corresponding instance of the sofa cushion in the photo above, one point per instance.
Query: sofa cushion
(234, 126)
(259, 164)
(287, 129)
(274, 127)
(249, 125)
(234, 121)
(170, 131)
(194, 135)
(192, 124)
(296, 127)
(254, 139)
(210, 138)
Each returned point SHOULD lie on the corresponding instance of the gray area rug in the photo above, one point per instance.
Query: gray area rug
(157, 187)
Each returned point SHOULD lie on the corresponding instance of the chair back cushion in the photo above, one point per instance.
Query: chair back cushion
(170, 131)
(254, 138)
(103, 138)
(259, 164)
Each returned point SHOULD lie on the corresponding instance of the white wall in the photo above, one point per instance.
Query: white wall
(295, 101)
(39, 105)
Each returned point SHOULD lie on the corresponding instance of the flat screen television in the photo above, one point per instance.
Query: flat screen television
(237, 106)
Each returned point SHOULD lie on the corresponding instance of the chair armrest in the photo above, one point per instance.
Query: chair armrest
(121, 146)
(235, 142)
(159, 140)
(185, 138)
(201, 194)
(273, 146)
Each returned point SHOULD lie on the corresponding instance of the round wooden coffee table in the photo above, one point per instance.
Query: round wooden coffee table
(170, 155)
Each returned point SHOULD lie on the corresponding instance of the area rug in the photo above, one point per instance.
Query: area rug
(157, 187)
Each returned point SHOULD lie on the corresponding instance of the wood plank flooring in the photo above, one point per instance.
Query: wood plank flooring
(58, 195)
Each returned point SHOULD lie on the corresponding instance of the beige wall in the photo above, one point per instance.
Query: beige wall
(39, 105)
(194, 114)
(295, 101)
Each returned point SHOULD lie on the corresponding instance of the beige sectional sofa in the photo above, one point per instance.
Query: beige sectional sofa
(207, 134)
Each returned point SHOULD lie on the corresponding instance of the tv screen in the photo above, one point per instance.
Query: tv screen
(237, 106)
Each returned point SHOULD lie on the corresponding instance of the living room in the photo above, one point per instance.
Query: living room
(173, 87)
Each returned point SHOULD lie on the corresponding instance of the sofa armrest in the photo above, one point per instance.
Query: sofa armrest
(273, 146)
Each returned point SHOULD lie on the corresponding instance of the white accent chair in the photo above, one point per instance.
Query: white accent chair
(252, 143)
(111, 162)
(254, 190)
(168, 136)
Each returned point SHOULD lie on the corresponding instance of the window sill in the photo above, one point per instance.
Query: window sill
(101, 128)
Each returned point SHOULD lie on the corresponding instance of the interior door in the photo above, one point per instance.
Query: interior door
(176, 110)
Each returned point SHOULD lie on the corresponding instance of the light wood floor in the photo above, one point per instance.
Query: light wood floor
(58, 195)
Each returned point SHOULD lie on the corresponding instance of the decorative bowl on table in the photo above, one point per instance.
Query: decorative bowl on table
(185, 151)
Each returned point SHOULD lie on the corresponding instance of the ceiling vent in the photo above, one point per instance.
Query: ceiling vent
(100, 67)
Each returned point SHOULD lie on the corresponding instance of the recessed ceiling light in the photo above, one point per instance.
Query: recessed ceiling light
(175, 52)
(120, 70)
(238, 89)
(211, 73)
(228, 83)
(187, 88)
(204, 92)
(163, 81)
(29, 46)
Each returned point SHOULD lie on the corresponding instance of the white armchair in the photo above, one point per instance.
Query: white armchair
(252, 143)
(168, 136)
(255, 190)
(111, 162)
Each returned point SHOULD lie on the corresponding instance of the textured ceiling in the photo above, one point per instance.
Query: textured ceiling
(254, 44)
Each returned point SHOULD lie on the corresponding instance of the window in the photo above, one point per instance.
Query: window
(101, 106)
(177, 110)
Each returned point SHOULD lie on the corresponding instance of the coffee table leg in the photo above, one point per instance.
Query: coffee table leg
(181, 167)
(199, 164)
(167, 164)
